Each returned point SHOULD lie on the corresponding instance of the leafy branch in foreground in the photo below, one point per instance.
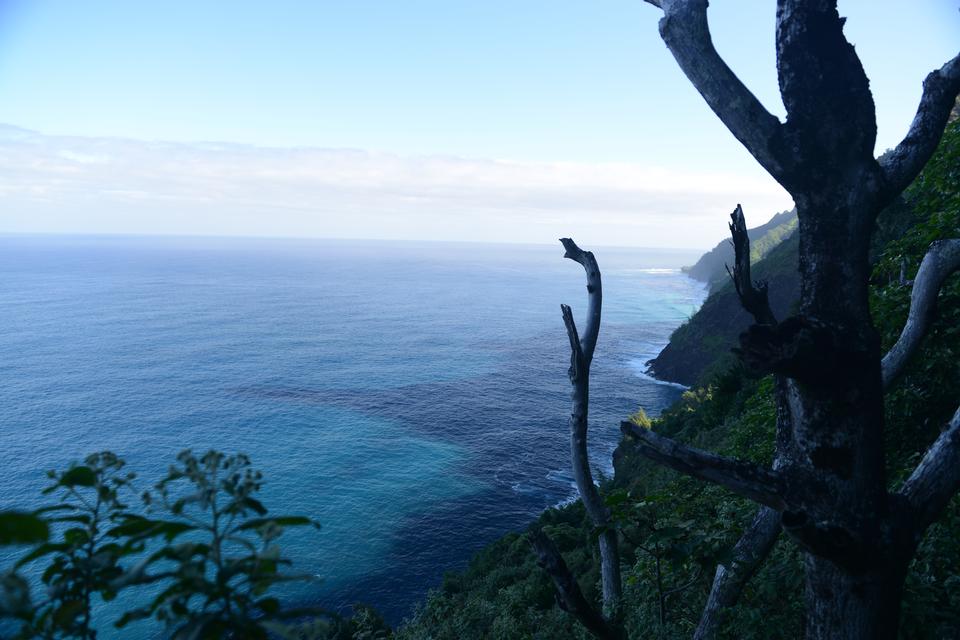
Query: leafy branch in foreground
(219, 576)
(204, 541)
(85, 560)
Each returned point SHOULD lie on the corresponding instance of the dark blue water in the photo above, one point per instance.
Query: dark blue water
(411, 397)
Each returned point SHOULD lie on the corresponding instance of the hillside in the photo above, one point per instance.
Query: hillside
(711, 267)
(676, 529)
(702, 344)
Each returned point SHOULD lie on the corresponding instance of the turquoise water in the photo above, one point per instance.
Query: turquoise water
(411, 397)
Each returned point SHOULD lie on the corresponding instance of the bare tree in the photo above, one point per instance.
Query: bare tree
(830, 488)
(759, 538)
(581, 357)
(569, 596)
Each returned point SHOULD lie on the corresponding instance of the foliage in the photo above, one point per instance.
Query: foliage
(641, 419)
(686, 526)
(671, 553)
(761, 246)
(364, 624)
(925, 396)
(503, 594)
(202, 539)
(86, 559)
(18, 528)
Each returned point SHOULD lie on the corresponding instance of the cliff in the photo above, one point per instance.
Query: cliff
(675, 529)
(702, 345)
(711, 267)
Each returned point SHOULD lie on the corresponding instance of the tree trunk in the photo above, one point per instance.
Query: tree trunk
(842, 606)
(835, 397)
(832, 487)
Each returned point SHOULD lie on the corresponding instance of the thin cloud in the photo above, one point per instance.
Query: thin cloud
(113, 185)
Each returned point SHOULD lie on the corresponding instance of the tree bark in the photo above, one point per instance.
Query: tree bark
(581, 357)
(936, 479)
(942, 259)
(843, 606)
(730, 579)
(760, 537)
(836, 401)
(832, 485)
(569, 596)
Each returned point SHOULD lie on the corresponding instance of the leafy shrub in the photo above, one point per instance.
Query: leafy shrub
(202, 538)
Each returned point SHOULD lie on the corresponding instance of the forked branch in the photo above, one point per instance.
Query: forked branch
(685, 31)
(904, 163)
(742, 478)
(942, 259)
(581, 357)
(937, 478)
(588, 341)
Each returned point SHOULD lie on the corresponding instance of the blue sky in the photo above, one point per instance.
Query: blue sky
(558, 107)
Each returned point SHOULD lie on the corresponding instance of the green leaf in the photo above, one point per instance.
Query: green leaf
(138, 527)
(68, 612)
(256, 505)
(76, 537)
(15, 599)
(78, 477)
(666, 534)
(17, 527)
(269, 605)
(41, 551)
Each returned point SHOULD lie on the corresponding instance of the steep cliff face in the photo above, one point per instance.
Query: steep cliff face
(702, 345)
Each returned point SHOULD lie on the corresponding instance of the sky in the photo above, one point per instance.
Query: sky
(493, 120)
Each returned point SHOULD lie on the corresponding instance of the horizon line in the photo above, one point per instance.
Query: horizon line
(202, 236)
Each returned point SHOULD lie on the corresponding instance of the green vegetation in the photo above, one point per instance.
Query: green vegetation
(700, 348)
(675, 530)
(201, 550)
(712, 266)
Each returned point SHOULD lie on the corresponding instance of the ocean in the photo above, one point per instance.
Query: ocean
(412, 397)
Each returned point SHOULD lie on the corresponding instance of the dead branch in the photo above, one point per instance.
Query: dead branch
(942, 259)
(937, 478)
(752, 294)
(904, 163)
(743, 478)
(594, 295)
(756, 542)
(685, 31)
(569, 596)
(581, 357)
(730, 579)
